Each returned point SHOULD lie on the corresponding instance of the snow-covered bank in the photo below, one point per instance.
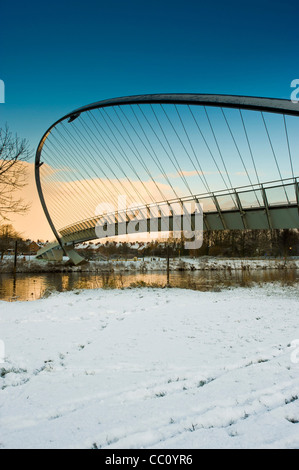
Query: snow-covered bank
(151, 368)
(151, 264)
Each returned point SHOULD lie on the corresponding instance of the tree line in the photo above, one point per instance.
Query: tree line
(226, 243)
(250, 243)
(9, 237)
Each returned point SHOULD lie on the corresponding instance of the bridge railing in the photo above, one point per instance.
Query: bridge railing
(275, 193)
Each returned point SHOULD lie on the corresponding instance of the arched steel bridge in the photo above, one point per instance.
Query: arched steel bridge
(151, 148)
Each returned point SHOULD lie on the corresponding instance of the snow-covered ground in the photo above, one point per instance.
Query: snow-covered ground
(151, 368)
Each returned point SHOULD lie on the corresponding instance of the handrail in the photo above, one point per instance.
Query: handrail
(232, 191)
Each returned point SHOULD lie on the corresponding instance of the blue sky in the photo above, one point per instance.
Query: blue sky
(56, 56)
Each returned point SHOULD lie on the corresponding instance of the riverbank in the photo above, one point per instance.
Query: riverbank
(33, 286)
(33, 265)
(151, 368)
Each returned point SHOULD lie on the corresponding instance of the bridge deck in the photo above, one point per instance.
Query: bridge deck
(221, 211)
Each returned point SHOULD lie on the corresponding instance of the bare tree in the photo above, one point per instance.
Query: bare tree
(13, 153)
(8, 235)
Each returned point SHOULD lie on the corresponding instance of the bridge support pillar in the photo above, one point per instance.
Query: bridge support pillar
(265, 199)
(74, 256)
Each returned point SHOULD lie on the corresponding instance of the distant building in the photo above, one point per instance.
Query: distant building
(32, 247)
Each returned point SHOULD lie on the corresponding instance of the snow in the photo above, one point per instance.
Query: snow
(151, 368)
(152, 264)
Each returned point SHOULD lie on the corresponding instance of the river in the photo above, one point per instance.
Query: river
(31, 286)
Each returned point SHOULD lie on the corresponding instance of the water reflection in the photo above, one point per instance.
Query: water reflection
(34, 286)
